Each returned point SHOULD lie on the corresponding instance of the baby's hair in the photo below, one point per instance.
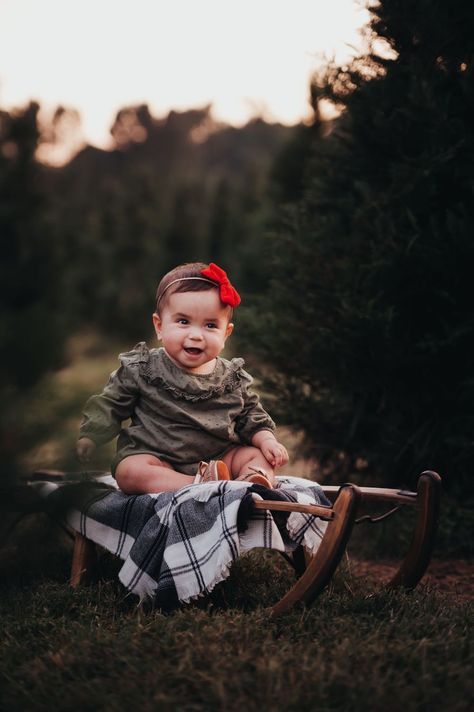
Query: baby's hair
(183, 272)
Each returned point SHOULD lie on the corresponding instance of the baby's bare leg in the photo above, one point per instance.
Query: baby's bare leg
(147, 474)
(242, 458)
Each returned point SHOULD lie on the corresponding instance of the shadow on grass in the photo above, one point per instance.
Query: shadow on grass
(91, 649)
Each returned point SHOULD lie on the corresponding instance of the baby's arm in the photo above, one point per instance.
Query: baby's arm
(104, 413)
(273, 451)
(255, 425)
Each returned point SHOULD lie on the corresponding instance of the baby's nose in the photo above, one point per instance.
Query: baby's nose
(195, 333)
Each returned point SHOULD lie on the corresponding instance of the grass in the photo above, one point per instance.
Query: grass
(93, 648)
(357, 648)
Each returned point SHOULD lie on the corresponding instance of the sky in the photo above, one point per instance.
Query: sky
(245, 57)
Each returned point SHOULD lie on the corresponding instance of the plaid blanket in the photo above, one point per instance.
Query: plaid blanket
(176, 546)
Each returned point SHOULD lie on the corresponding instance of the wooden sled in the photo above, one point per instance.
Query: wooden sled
(315, 572)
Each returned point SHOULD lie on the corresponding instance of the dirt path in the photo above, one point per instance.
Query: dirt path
(455, 576)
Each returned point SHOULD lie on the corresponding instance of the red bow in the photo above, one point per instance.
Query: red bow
(227, 293)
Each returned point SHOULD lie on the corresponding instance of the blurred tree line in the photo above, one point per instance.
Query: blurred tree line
(85, 244)
(355, 245)
(368, 320)
(174, 190)
(31, 318)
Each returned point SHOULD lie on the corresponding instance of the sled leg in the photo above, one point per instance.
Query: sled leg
(322, 565)
(84, 560)
(419, 553)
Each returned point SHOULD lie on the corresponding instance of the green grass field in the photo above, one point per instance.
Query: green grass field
(357, 648)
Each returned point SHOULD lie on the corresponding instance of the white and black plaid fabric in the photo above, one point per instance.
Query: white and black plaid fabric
(177, 546)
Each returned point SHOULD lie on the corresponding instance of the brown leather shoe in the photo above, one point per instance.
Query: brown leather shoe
(211, 471)
(257, 477)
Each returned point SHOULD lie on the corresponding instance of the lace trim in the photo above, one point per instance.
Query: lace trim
(229, 383)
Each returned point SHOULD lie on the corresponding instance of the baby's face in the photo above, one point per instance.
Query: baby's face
(193, 327)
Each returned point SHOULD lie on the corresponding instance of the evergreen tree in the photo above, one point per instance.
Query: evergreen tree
(368, 320)
(219, 222)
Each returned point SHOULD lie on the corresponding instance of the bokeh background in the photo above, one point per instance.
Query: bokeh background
(330, 172)
(321, 152)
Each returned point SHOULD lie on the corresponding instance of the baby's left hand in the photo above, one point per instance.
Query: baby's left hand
(274, 452)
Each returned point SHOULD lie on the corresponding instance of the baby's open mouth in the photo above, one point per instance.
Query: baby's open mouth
(193, 350)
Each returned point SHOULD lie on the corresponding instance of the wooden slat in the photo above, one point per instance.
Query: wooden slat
(316, 509)
(377, 494)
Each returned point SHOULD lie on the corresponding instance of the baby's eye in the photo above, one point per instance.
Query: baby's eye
(211, 325)
(182, 321)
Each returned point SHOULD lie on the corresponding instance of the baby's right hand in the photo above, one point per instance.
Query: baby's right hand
(85, 448)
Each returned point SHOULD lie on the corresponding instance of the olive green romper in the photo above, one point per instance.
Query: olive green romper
(181, 418)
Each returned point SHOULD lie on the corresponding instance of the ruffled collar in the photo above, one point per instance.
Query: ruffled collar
(159, 369)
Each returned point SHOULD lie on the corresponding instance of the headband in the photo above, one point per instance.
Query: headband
(218, 278)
